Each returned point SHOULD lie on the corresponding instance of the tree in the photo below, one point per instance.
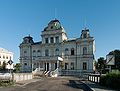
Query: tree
(17, 67)
(101, 64)
(4, 66)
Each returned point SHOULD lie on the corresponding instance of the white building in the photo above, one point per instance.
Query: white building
(77, 54)
(6, 56)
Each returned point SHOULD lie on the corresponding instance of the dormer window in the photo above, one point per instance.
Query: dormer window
(84, 35)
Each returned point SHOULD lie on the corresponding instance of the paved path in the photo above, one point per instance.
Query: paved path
(50, 84)
(96, 87)
(63, 83)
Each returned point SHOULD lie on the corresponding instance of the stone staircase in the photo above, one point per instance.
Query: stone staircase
(37, 73)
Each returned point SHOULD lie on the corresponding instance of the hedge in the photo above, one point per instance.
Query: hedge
(111, 80)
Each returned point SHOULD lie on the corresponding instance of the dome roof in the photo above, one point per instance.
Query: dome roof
(53, 21)
(53, 25)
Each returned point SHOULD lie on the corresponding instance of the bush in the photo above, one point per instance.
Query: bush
(6, 83)
(111, 80)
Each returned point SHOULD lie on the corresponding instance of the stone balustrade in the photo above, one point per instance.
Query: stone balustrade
(94, 78)
(22, 76)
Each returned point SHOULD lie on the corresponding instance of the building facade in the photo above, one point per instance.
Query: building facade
(5, 57)
(76, 54)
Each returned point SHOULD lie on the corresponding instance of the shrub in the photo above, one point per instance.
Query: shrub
(111, 80)
(6, 83)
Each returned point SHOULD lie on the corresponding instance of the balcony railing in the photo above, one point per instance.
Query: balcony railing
(55, 57)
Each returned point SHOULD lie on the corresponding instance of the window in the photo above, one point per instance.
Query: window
(25, 64)
(66, 51)
(72, 51)
(51, 40)
(84, 35)
(34, 53)
(46, 52)
(46, 40)
(0, 56)
(84, 50)
(72, 66)
(6, 57)
(3, 57)
(57, 52)
(38, 53)
(66, 66)
(57, 39)
(25, 51)
(34, 63)
(84, 66)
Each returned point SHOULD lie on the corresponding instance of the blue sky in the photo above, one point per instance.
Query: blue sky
(19, 18)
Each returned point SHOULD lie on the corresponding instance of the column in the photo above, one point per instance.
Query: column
(39, 66)
(57, 63)
(46, 66)
(50, 66)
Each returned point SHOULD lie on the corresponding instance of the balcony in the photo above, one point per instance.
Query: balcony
(46, 58)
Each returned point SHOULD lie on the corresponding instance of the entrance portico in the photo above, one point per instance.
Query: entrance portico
(51, 65)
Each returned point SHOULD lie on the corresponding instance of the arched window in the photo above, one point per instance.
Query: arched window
(66, 51)
(84, 50)
(46, 52)
(72, 51)
(25, 53)
(34, 53)
(57, 52)
(38, 53)
(3, 56)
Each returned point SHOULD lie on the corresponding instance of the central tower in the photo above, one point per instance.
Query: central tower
(53, 33)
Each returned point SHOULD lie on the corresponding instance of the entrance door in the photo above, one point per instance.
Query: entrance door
(66, 66)
(47, 66)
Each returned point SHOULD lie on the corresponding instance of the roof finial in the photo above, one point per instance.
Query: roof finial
(85, 25)
(29, 35)
(55, 14)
